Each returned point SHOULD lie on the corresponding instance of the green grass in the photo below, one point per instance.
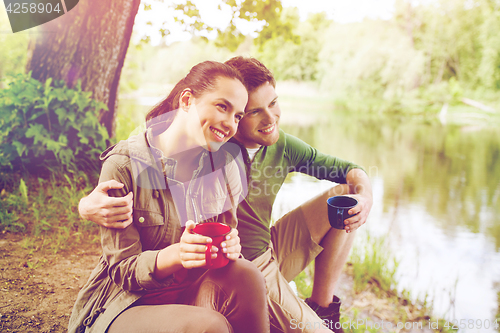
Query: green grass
(45, 211)
(373, 265)
(304, 281)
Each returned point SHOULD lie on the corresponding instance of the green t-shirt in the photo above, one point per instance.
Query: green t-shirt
(267, 173)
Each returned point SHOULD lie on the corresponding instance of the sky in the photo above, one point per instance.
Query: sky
(340, 11)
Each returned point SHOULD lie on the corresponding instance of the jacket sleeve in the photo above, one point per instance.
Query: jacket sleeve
(128, 266)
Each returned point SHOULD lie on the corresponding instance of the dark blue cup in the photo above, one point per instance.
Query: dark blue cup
(338, 208)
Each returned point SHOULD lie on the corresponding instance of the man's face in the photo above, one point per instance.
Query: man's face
(259, 126)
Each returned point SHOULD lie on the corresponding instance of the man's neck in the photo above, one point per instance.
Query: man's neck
(245, 146)
(252, 152)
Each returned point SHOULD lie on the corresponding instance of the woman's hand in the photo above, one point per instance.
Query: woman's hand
(192, 248)
(231, 246)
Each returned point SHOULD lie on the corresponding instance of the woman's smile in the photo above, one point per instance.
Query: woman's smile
(219, 135)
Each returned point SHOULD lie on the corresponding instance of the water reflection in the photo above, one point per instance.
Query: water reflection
(437, 196)
(454, 173)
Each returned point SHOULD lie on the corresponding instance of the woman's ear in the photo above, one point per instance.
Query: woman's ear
(185, 99)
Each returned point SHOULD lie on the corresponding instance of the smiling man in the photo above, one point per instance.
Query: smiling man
(282, 250)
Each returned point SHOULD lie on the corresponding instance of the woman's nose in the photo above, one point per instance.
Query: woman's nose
(230, 124)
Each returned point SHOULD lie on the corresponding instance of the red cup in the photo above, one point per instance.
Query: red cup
(217, 232)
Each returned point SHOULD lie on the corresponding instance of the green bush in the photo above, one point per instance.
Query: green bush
(47, 125)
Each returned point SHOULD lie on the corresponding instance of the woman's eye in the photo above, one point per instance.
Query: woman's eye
(238, 117)
(273, 103)
(222, 106)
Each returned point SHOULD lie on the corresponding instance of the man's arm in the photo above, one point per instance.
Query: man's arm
(109, 212)
(360, 189)
(352, 179)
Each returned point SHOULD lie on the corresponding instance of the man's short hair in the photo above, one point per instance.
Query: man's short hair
(253, 71)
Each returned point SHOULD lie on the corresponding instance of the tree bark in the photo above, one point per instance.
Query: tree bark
(89, 43)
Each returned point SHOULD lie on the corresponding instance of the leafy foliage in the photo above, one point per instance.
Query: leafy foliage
(369, 62)
(296, 59)
(44, 125)
(458, 38)
(266, 12)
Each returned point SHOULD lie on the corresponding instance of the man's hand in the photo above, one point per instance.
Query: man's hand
(362, 209)
(361, 190)
(109, 212)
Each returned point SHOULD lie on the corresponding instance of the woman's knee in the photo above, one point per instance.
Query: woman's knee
(246, 275)
(214, 322)
(170, 318)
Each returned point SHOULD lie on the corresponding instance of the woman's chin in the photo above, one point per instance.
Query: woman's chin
(214, 146)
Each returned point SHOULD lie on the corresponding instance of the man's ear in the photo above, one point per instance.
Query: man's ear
(185, 99)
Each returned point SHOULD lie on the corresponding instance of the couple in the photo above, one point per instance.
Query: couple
(143, 269)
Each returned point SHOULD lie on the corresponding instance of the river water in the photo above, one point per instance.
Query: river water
(436, 197)
(436, 202)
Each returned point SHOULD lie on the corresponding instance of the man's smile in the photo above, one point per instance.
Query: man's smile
(268, 130)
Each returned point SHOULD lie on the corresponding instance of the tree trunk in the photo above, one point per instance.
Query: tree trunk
(89, 43)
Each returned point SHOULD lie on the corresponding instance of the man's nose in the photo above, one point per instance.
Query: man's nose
(269, 116)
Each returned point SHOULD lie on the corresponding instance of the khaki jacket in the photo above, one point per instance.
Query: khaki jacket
(125, 270)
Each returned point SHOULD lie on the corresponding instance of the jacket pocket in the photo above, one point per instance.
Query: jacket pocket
(145, 218)
(152, 228)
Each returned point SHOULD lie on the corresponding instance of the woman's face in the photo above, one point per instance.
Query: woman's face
(218, 112)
